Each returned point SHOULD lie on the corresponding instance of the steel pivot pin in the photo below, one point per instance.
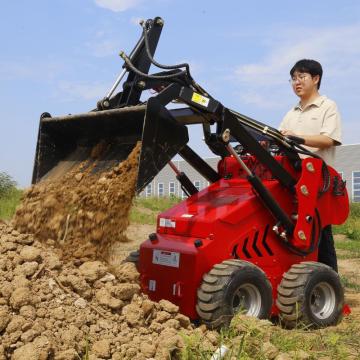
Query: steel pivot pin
(283, 235)
(304, 190)
(159, 21)
(226, 136)
(310, 167)
(301, 235)
(141, 84)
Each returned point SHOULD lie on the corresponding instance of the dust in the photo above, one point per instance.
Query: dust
(86, 211)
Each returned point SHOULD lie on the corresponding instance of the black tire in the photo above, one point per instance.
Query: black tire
(133, 257)
(232, 286)
(310, 294)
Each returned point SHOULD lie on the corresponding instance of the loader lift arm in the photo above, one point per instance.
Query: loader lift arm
(122, 120)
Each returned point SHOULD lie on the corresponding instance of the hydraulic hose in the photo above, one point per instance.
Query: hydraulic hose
(157, 77)
(168, 67)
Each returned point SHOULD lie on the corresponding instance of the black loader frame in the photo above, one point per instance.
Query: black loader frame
(122, 120)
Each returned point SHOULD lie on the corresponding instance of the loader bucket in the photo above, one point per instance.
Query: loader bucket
(102, 139)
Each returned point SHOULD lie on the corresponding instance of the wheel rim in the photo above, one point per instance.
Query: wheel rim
(322, 300)
(247, 298)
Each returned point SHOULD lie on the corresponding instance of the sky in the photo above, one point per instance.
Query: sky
(61, 56)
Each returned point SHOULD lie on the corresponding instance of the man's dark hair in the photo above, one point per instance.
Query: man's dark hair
(311, 67)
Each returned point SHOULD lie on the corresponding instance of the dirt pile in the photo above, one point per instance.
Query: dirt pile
(85, 212)
(55, 309)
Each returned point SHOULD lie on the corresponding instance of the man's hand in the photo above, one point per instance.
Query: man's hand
(315, 141)
(288, 132)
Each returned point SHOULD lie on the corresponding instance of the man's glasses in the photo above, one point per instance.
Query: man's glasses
(300, 78)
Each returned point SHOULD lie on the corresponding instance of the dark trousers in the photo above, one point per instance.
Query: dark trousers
(327, 254)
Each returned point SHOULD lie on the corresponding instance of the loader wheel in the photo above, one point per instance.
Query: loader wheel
(311, 294)
(133, 257)
(231, 287)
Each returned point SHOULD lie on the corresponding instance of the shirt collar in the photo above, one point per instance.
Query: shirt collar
(316, 102)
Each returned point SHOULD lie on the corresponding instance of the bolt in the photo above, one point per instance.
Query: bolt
(160, 22)
(304, 190)
(226, 135)
(310, 167)
(198, 243)
(283, 235)
(308, 218)
(275, 229)
(294, 216)
(301, 235)
(141, 84)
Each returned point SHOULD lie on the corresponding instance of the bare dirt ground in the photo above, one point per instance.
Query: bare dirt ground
(350, 269)
(56, 309)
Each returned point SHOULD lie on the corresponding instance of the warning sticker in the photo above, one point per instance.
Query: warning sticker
(152, 285)
(199, 99)
(167, 223)
(167, 258)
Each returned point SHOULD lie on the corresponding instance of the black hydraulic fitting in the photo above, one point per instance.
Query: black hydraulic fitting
(198, 243)
(152, 237)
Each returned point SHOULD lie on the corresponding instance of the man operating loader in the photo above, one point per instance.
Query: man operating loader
(316, 119)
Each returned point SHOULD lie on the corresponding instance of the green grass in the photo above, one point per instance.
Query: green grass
(246, 336)
(157, 203)
(145, 210)
(348, 283)
(351, 228)
(137, 216)
(8, 203)
(351, 247)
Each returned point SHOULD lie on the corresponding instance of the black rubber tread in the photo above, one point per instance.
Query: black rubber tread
(284, 308)
(210, 279)
(210, 307)
(220, 266)
(203, 296)
(237, 263)
(299, 266)
(287, 300)
(211, 288)
(289, 276)
(301, 271)
(283, 291)
(291, 283)
(133, 257)
(294, 291)
(221, 272)
(213, 307)
(204, 315)
(289, 319)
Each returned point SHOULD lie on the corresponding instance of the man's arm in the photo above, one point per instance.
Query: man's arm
(316, 141)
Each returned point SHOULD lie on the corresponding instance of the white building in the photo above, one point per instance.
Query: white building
(165, 183)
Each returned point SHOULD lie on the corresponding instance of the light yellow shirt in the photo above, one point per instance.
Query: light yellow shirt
(320, 117)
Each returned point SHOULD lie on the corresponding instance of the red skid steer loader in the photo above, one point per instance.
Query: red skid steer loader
(249, 241)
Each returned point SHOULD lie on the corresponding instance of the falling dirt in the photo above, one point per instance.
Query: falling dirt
(84, 213)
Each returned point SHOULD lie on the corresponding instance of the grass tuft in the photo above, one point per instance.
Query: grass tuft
(9, 200)
(145, 210)
(351, 228)
(157, 203)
